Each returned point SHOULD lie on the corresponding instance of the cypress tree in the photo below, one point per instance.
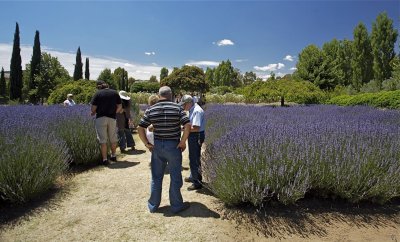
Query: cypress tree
(16, 68)
(78, 66)
(87, 73)
(2, 83)
(383, 38)
(35, 62)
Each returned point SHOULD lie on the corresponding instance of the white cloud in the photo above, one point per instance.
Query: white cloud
(241, 60)
(67, 59)
(202, 63)
(270, 67)
(150, 53)
(289, 58)
(293, 68)
(224, 42)
(265, 76)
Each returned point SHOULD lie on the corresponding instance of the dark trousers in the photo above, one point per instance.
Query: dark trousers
(195, 141)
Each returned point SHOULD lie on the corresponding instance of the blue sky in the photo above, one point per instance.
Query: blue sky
(143, 37)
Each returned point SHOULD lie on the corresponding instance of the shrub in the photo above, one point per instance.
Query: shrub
(383, 99)
(301, 92)
(32, 156)
(140, 97)
(221, 90)
(257, 154)
(38, 142)
(226, 98)
(83, 91)
(151, 87)
(76, 128)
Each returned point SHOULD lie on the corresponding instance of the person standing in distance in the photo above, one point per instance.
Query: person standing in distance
(105, 104)
(166, 118)
(195, 141)
(69, 102)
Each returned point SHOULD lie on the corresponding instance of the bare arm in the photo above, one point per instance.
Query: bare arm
(119, 108)
(93, 110)
(143, 138)
(186, 132)
(194, 129)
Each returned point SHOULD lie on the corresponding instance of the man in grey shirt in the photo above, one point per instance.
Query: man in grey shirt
(166, 118)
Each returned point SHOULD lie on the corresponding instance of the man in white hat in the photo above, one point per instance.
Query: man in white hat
(69, 102)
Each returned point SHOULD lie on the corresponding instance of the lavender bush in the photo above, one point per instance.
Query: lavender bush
(38, 143)
(255, 154)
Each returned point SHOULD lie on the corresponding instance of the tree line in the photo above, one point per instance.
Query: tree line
(369, 58)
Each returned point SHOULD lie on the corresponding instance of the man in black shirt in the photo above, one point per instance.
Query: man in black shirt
(105, 105)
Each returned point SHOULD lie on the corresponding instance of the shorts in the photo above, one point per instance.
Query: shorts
(106, 129)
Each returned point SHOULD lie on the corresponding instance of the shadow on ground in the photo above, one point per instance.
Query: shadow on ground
(312, 217)
(122, 164)
(133, 152)
(13, 214)
(196, 209)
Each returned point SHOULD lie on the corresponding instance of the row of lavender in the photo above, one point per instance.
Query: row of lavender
(38, 142)
(255, 154)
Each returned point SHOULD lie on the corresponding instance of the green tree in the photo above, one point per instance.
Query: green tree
(331, 72)
(153, 79)
(145, 86)
(164, 73)
(121, 78)
(2, 83)
(52, 73)
(188, 78)
(383, 38)
(226, 75)
(87, 73)
(271, 76)
(249, 77)
(310, 64)
(131, 80)
(362, 60)
(35, 62)
(345, 57)
(16, 69)
(78, 73)
(209, 75)
(107, 76)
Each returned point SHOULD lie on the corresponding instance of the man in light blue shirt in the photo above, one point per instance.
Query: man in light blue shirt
(195, 140)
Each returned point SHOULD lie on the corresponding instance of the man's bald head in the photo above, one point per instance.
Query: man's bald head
(165, 92)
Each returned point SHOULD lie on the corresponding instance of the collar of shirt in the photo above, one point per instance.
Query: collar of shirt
(192, 108)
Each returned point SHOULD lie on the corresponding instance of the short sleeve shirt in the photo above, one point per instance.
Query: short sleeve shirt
(106, 101)
(166, 118)
(196, 116)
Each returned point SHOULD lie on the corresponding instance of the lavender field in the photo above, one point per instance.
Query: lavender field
(38, 143)
(256, 154)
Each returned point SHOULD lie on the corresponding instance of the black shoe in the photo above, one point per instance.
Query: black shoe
(104, 162)
(113, 158)
(194, 187)
(122, 150)
(186, 205)
(187, 179)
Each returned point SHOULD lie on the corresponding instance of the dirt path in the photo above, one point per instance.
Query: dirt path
(109, 204)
